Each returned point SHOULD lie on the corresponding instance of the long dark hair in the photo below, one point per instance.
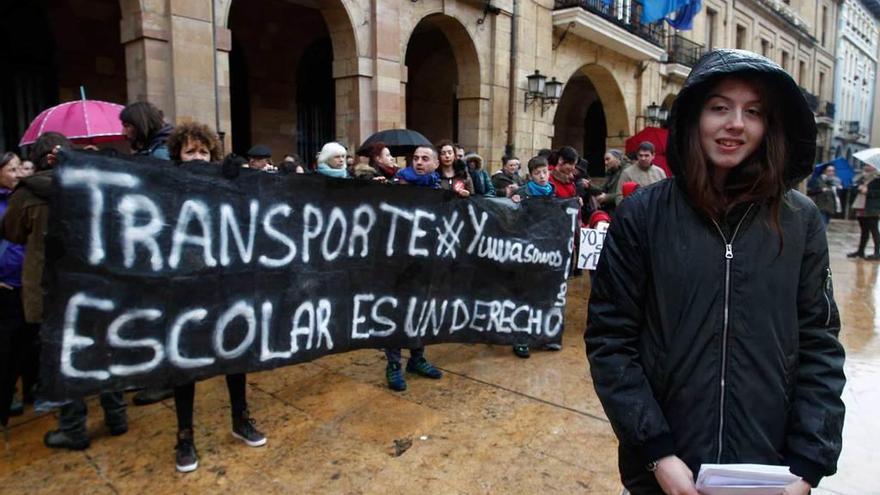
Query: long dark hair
(146, 119)
(760, 178)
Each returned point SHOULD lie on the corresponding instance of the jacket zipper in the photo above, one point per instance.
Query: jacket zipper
(826, 292)
(728, 255)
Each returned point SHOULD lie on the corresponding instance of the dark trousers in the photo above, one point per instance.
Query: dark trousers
(868, 225)
(12, 344)
(184, 396)
(393, 355)
(73, 414)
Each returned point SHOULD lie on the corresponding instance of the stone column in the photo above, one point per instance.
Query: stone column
(145, 33)
(193, 61)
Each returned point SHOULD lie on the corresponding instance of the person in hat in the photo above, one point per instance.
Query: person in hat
(260, 158)
(712, 328)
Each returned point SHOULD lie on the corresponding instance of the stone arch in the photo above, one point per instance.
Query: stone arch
(591, 114)
(321, 48)
(467, 101)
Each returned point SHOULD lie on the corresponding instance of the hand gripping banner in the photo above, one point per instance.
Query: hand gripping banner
(160, 274)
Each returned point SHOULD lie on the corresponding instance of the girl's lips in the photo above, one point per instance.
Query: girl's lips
(729, 145)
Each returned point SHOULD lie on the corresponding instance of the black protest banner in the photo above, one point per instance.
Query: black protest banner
(162, 274)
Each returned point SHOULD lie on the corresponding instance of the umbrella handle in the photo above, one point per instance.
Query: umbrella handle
(82, 92)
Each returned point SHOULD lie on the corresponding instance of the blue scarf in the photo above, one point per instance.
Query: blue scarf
(536, 190)
(409, 174)
(339, 173)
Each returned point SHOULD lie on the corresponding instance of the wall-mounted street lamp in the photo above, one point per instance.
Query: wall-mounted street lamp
(539, 88)
(654, 115)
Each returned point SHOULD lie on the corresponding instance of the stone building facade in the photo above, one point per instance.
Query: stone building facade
(855, 76)
(293, 74)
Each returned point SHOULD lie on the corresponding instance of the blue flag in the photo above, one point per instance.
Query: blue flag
(684, 17)
(655, 10)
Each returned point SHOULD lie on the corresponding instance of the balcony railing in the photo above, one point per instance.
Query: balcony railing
(812, 100)
(624, 13)
(683, 51)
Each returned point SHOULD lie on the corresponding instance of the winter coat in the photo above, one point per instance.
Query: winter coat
(707, 341)
(823, 191)
(867, 203)
(25, 222)
(11, 254)
(482, 183)
(158, 147)
(449, 183)
(500, 181)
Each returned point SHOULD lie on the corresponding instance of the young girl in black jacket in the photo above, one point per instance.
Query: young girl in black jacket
(712, 332)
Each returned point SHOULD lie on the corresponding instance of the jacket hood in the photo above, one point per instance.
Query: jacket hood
(798, 120)
(40, 184)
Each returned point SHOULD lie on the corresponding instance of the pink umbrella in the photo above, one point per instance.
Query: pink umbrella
(81, 121)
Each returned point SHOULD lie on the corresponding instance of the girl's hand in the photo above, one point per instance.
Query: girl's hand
(799, 487)
(516, 198)
(463, 193)
(674, 477)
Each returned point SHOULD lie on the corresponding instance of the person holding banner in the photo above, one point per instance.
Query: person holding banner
(712, 328)
(422, 173)
(26, 222)
(13, 328)
(189, 142)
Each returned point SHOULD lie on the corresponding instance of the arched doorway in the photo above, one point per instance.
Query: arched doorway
(590, 111)
(282, 91)
(50, 50)
(443, 81)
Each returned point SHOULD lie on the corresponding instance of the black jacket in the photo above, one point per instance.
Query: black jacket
(704, 340)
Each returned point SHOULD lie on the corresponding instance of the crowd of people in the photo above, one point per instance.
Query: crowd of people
(24, 207)
(712, 332)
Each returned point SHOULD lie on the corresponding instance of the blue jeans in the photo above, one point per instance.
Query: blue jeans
(393, 355)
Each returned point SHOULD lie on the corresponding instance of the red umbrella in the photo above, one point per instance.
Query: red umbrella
(656, 136)
(81, 121)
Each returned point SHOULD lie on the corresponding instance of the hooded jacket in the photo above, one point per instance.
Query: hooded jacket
(25, 222)
(707, 340)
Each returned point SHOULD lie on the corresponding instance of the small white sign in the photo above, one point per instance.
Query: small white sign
(591, 244)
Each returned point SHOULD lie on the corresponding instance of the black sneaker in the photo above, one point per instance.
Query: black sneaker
(185, 456)
(151, 396)
(394, 375)
(421, 366)
(855, 254)
(58, 439)
(243, 429)
(521, 350)
(873, 257)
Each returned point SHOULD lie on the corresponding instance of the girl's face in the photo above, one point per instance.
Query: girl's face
(10, 174)
(732, 124)
(385, 158)
(27, 168)
(194, 150)
(337, 161)
(130, 131)
(447, 155)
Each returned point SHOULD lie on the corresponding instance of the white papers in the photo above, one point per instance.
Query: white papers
(743, 479)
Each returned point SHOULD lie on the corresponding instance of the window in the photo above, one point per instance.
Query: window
(740, 37)
(802, 73)
(711, 23)
(784, 61)
(765, 48)
(824, 23)
(821, 90)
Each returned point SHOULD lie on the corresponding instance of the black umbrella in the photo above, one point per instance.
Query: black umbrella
(400, 142)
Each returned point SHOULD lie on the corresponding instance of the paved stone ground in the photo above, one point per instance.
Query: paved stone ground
(493, 424)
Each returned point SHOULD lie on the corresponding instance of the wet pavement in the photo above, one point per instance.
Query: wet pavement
(493, 424)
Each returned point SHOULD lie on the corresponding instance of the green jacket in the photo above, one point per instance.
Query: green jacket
(25, 222)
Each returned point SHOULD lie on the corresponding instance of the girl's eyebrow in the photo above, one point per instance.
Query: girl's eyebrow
(713, 95)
